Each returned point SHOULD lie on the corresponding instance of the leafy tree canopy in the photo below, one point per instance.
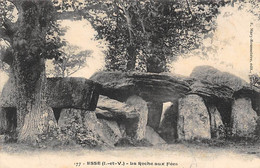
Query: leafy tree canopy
(147, 34)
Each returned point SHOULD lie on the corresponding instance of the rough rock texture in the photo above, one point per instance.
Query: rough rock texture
(154, 115)
(149, 86)
(113, 128)
(251, 92)
(215, 76)
(220, 88)
(153, 136)
(138, 128)
(216, 123)
(193, 121)
(160, 88)
(80, 120)
(114, 110)
(61, 93)
(243, 118)
(131, 115)
(211, 91)
(168, 125)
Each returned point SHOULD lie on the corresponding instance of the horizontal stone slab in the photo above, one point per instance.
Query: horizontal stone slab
(79, 93)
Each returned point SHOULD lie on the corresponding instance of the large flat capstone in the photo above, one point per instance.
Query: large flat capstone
(79, 93)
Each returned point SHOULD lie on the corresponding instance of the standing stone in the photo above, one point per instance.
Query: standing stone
(243, 117)
(193, 121)
(127, 116)
(112, 128)
(80, 121)
(138, 126)
(168, 125)
(154, 114)
(216, 124)
(153, 136)
(101, 130)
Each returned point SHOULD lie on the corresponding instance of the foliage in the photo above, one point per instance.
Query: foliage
(150, 33)
(3, 65)
(38, 34)
(70, 61)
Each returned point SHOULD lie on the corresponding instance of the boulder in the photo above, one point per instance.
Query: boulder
(243, 118)
(168, 125)
(131, 116)
(215, 76)
(86, 128)
(110, 109)
(112, 128)
(250, 92)
(108, 134)
(220, 88)
(193, 119)
(153, 136)
(149, 86)
(137, 128)
(77, 93)
(216, 123)
(211, 92)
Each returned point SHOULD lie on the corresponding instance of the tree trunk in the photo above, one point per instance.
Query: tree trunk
(34, 117)
(131, 59)
(131, 49)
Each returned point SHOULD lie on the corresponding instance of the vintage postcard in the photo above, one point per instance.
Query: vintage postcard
(129, 83)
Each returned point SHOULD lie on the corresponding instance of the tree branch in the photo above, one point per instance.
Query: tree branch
(79, 67)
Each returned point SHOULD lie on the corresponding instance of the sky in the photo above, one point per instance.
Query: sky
(81, 33)
(232, 38)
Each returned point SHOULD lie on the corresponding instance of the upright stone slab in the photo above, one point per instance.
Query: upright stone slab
(153, 136)
(193, 120)
(138, 127)
(154, 114)
(243, 117)
(86, 123)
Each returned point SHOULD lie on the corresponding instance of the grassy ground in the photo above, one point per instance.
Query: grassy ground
(180, 155)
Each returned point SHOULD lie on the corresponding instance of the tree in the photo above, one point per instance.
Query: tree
(147, 34)
(33, 38)
(69, 62)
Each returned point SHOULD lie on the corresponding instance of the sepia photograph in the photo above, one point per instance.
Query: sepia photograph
(129, 83)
